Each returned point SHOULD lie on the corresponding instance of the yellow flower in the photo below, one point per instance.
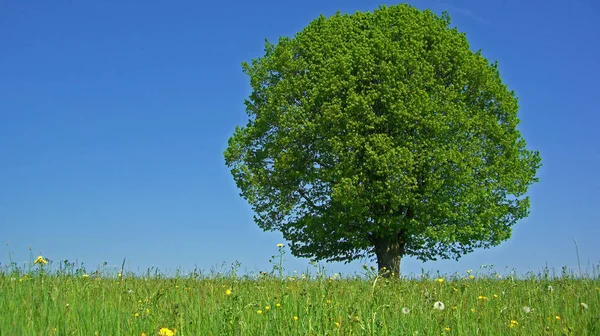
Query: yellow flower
(143, 334)
(279, 245)
(267, 308)
(557, 317)
(440, 280)
(472, 310)
(295, 318)
(469, 271)
(40, 260)
(136, 314)
(481, 297)
(228, 292)
(471, 277)
(513, 323)
(495, 296)
(166, 332)
(337, 324)
(447, 328)
(147, 311)
(85, 276)
(277, 305)
(259, 312)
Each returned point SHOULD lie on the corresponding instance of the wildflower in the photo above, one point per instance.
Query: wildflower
(471, 277)
(495, 296)
(295, 318)
(143, 334)
(526, 310)
(337, 324)
(469, 271)
(328, 301)
(259, 312)
(147, 311)
(455, 289)
(166, 332)
(472, 310)
(405, 310)
(40, 260)
(120, 275)
(130, 291)
(13, 279)
(277, 305)
(136, 314)
(280, 245)
(513, 323)
(228, 292)
(440, 280)
(482, 298)
(583, 306)
(267, 308)
(550, 289)
(557, 317)
(447, 328)
(454, 307)
(439, 305)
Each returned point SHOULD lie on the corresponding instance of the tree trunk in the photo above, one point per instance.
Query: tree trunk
(389, 252)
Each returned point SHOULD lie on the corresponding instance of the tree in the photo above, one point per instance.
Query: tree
(381, 133)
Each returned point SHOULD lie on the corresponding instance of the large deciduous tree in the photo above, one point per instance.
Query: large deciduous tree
(381, 134)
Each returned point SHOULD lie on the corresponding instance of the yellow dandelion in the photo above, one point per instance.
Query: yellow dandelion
(295, 318)
(471, 277)
(277, 305)
(440, 280)
(147, 311)
(447, 329)
(228, 292)
(557, 317)
(472, 310)
(85, 276)
(166, 332)
(267, 308)
(482, 298)
(40, 260)
(143, 334)
(495, 296)
(513, 323)
(280, 245)
(259, 312)
(337, 324)
(136, 314)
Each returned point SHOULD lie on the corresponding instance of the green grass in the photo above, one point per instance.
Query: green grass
(57, 299)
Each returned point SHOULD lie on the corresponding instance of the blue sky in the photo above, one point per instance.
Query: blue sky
(114, 116)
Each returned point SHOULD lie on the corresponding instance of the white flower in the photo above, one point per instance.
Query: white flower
(439, 305)
(584, 305)
(13, 279)
(526, 310)
(405, 310)
(550, 289)
(130, 291)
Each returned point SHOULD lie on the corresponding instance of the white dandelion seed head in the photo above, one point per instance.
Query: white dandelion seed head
(526, 310)
(550, 289)
(439, 305)
(405, 310)
(584, 305)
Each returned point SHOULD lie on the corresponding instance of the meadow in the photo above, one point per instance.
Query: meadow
(61, 298)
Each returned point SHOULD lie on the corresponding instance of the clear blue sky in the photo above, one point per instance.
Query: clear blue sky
(114, 116)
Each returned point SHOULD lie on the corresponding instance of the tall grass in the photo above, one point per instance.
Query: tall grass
(62, 299)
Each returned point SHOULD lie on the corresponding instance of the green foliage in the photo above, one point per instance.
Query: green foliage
(381, 128)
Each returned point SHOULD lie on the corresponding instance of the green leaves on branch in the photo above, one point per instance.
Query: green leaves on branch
(381, 127)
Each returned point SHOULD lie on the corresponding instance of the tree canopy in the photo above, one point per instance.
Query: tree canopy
(381, 134)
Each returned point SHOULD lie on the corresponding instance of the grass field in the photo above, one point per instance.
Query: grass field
(58, 298)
